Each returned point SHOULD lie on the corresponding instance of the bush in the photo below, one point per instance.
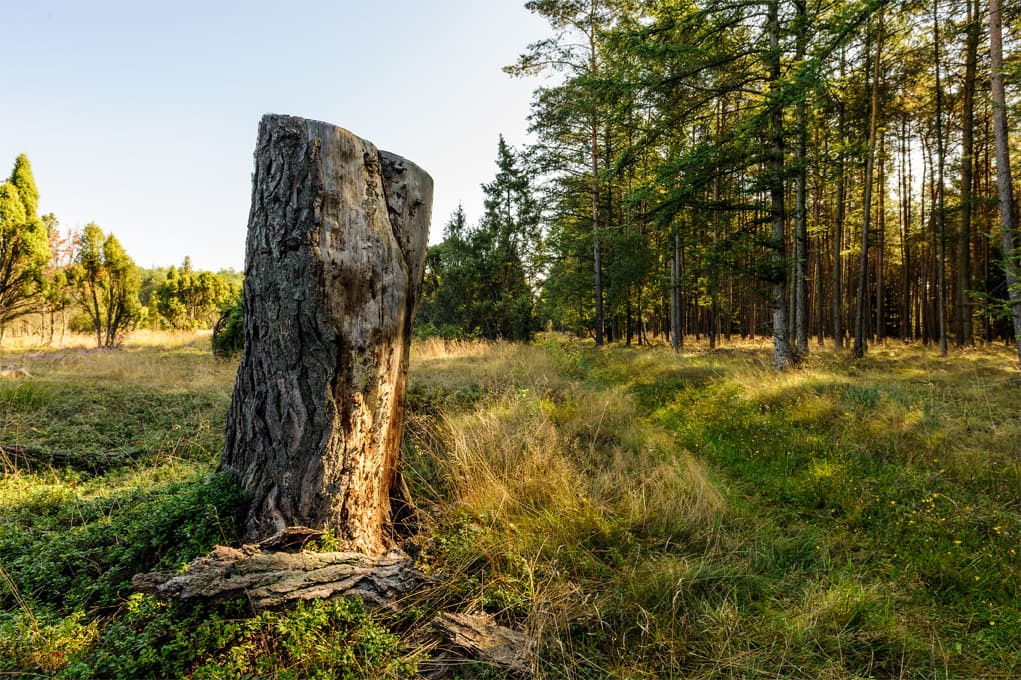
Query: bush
(229, 331)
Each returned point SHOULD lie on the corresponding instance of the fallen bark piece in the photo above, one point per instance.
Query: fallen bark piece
(477, 636)
(275, 579)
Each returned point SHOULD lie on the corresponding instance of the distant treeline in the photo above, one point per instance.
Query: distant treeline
(54, 280)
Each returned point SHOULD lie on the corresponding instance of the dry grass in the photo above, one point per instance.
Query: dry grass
(641, 513)
(551, 487)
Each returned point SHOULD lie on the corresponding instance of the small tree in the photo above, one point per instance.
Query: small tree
(56, 294)
(24, 248)
(482, 279)
(106, 283)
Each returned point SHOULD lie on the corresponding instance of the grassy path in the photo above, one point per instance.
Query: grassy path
(879, 501)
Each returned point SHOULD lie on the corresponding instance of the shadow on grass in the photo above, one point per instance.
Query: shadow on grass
(67, 553)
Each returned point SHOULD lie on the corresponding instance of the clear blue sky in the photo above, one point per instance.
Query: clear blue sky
(141, 116)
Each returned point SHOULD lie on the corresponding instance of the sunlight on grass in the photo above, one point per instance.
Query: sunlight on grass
(642, 513)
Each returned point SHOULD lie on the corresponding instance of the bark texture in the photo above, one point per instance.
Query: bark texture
(478, 636)
(274, 579)
(337, 238)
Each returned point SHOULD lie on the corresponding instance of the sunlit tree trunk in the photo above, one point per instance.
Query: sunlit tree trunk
(801, 192)
(838, 220)
(1005, 184)
(783, 355)
(870, 162)
(336, 249)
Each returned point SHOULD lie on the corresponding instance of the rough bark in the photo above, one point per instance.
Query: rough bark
(676, 303)
(477, 636)
(275, 579)
(333, 272)
(838, 222)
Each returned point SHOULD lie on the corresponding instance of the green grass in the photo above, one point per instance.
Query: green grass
(639, 513)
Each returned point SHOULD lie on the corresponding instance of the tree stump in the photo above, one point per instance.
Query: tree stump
(337, 239)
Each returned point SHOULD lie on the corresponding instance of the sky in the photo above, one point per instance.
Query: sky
(141, 116)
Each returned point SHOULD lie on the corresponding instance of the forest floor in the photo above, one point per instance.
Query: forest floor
(638, 513)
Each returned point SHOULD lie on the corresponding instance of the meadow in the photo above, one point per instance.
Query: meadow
(639, 513)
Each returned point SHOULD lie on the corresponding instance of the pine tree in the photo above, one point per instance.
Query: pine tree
(481, 281)
(24, 244)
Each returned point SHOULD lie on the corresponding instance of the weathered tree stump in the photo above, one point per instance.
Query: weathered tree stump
(337, 239)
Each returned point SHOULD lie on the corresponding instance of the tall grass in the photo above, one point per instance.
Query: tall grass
(639, 513)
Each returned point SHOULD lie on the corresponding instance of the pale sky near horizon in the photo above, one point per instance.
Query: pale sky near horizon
(142, 116)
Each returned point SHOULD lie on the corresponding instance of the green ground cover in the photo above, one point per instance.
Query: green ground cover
(638, 513)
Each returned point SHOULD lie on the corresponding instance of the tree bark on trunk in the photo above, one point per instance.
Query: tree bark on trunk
(941, 238)
(784, 356)
(1005, 184)
(676, 303)
(801, 192)
(963, 334)
(336, 250)
(870, 161)
(838, 221)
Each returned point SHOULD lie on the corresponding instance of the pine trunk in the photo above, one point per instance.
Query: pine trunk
(801, 194)
(336, 250)
(1004, 181)
(941, 240)
(870, 161)
(838, 224)
(784, 356)
(963, 335)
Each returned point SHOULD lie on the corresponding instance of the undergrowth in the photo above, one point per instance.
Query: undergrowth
(639, 513)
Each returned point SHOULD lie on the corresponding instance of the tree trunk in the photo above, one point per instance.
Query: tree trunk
(838, 221)
(904, 170)
(336, 251)
(941, 236)
(784, 356)
(963, 334)
(1005, 184)
(881, 246)
(676, 304)
(870, 162)
(801, 192)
